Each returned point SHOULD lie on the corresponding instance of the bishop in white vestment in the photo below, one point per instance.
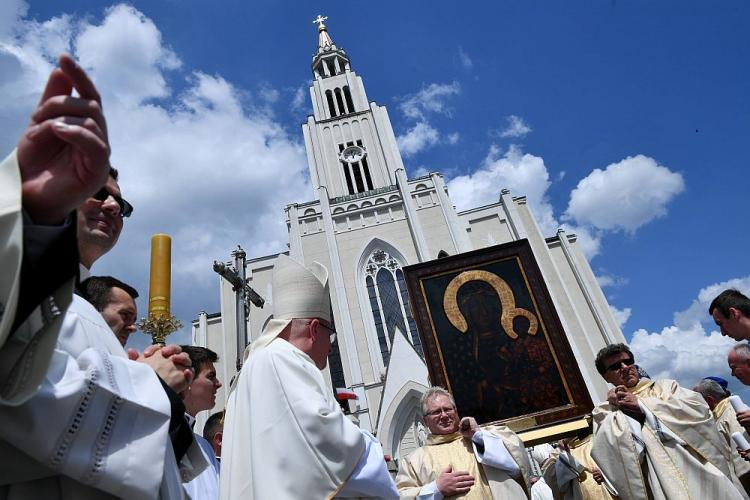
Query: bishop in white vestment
(285, 436)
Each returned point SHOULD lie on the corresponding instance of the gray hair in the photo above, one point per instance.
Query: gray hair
(431, 393)
(742, 349)
(711, 388)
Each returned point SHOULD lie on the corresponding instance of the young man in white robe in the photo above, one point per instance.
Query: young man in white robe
(285, 436)
(462, 459)
(655, 439)
(80, 419)
(201, 396)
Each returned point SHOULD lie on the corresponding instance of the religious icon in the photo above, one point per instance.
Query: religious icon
(491, 336)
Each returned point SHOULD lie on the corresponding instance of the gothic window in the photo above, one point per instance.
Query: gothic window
(348, 98)
(331, 106)
(389, 302)
(340, 101)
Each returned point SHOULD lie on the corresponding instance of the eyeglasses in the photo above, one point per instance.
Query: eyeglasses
(617, 365)
(125, 208)
(439, 411)
(332, 336)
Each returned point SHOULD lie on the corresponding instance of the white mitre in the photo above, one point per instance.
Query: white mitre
(298, 292)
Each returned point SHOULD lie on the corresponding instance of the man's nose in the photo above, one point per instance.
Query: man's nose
(111, 206)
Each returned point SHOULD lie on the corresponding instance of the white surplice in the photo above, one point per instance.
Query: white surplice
(205, 486)
(286, 438)
(96, 428)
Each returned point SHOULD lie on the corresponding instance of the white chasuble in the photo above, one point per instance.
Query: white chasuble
(96, 428)
(726, 421)
(500, 472)
(286, 438)
(570, 474)
(676, 454)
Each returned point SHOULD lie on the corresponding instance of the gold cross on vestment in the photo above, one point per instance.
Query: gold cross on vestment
(320, 20)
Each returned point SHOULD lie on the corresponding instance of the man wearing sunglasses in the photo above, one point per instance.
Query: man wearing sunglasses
(653, 438)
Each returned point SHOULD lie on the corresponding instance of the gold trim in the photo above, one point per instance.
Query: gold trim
(546, 434)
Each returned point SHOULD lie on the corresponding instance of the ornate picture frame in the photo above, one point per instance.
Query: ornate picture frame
(492, 337)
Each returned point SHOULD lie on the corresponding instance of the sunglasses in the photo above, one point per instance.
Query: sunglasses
(125, 208)
(617, 365)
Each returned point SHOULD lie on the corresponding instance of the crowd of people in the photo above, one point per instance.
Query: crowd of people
(81, 417)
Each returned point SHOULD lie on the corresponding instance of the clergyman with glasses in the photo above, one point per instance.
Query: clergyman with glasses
(285, 436)
(655, 439)
(460, 459)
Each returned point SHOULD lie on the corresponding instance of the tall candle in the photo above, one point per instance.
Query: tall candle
(161, 275)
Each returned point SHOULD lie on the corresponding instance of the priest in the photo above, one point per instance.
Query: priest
(461, 459)
(285, 436)
(653, 438)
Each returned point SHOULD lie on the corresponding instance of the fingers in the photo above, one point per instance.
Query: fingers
(78, 77)
(65, 106)
(87, 142)
(182, 360)
(150, 350)
(58, 83)
(170, 350)
(132, 354)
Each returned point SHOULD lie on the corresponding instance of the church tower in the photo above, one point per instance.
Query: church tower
(350, 144)
(365, 222)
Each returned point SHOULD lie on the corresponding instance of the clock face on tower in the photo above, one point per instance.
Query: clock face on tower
(352, 154)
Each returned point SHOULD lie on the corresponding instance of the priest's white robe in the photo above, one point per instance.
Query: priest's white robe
(96, 428)
(286, 438)
(205, 486)
(25, 355)
(726, 421)
(501, 471)
(676, 454)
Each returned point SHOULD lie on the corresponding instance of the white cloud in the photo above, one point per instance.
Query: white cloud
(269, 94)
(621, 315)
(516, 127)
(691, 348)
(202, 165)
(624, 196)
(466, 61)
(608, 280)
(452, 138)
(419, 171)
(417, 138)
(126, 56)
(431, 99)
(298, 100)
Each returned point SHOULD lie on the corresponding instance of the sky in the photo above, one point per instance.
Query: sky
(623, 122)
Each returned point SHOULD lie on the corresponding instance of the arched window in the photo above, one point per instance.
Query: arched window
(389, 302)
(331, 107)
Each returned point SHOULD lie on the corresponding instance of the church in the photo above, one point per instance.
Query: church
(367, 222)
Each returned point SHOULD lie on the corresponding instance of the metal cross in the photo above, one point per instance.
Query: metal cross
(320, 20)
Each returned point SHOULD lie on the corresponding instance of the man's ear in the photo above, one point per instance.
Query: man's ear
(312, 327)
(218, 437)
(734, 313)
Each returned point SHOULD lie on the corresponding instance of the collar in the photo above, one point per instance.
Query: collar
(190, 420)
(720, 407)
(434, 439)
(642, 385)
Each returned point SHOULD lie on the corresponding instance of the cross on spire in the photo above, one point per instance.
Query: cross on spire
(320, 20)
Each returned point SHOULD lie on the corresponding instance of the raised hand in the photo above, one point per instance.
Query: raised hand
(64, 153)
(454, 483)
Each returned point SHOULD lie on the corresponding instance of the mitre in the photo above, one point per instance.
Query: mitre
(298, 292)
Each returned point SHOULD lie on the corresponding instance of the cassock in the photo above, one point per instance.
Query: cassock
(98, 426)
(285, 436)
(501, 470)
(675, 454)
(570, 474)
(726, 421)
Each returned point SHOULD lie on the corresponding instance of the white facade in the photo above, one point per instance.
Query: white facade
(368, 221)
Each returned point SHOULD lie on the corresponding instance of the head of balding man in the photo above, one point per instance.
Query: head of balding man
(739, 362)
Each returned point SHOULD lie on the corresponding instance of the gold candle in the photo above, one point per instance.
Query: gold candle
(161, 276)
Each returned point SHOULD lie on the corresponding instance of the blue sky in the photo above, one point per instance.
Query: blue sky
(205, 104)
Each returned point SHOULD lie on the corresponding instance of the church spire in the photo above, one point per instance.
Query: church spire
(324, 39)
(329, 60)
